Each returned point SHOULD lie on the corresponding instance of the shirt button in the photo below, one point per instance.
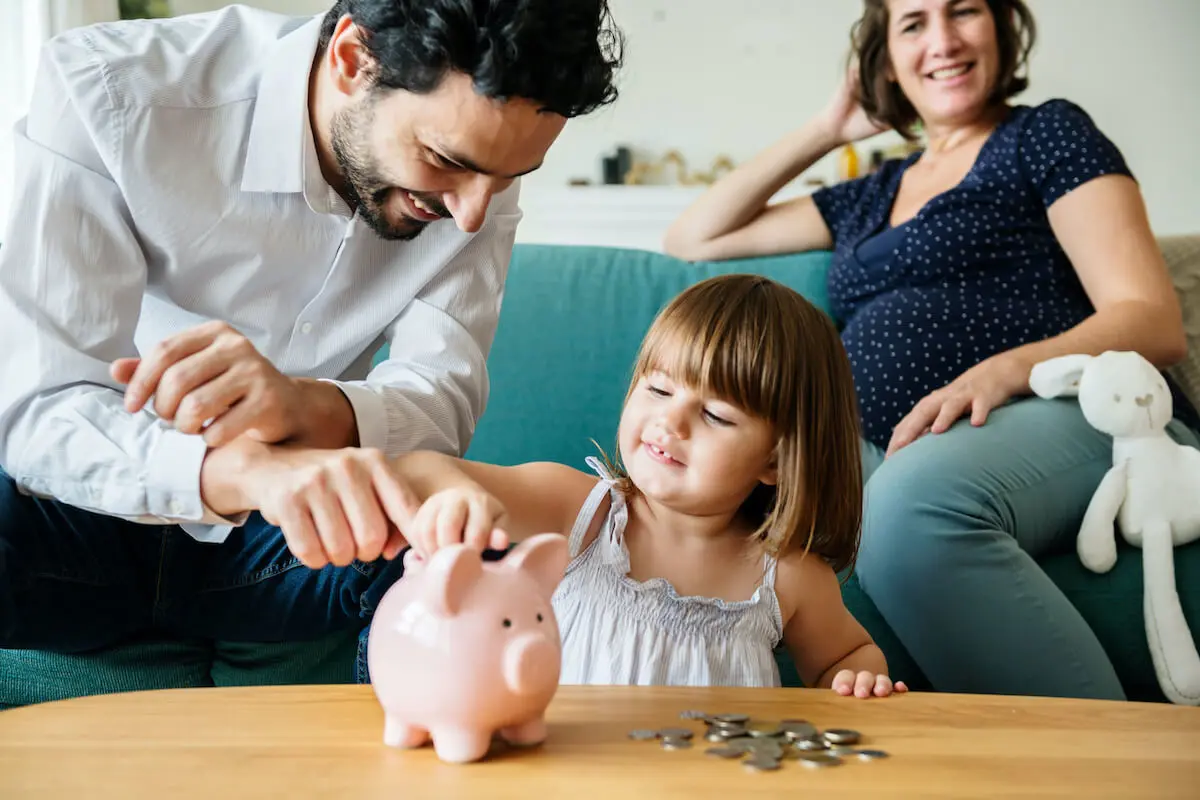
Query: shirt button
(306, 327)
(176, 508)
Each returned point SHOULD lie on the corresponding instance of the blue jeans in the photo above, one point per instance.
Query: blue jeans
(952, 525)
(72, 580)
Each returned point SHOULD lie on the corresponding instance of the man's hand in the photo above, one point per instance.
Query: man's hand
(211, 380)
(988, 385)
(333, 506)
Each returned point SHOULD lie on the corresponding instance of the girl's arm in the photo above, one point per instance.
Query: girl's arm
(467, 500)
(831, 649)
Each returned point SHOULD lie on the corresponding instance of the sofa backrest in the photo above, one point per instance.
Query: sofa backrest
(1182, 254)
(570, 327)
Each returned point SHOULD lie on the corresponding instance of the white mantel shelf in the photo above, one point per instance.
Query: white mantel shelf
(634, 217)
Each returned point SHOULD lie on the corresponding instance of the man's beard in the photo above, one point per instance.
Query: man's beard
(365, 189)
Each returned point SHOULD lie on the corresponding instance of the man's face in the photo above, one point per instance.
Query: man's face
(410, 159)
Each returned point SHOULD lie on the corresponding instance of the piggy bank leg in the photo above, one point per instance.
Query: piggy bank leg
(397, 733)
(526, 734)
(460, 746)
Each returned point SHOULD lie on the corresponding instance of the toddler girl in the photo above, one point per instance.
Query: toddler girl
(738, 499)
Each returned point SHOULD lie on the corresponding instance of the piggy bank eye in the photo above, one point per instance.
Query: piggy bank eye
(508, 623)
(539, 617)
(1116, 398)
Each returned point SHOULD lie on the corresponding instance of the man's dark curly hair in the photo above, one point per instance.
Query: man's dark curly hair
(560, 54)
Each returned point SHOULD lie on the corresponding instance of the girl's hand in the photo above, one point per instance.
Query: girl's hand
(866, 684)
(467, 515)
(987, 385)
(843, 118)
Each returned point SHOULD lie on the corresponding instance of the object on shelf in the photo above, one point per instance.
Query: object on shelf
(847, 165)
(616, 167)
(644, 172)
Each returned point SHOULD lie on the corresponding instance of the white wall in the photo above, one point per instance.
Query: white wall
(714, 76)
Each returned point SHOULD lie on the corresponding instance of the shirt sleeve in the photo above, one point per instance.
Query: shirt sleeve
(1061, 148)
(841, 204)
(430, 391)
(72, 276)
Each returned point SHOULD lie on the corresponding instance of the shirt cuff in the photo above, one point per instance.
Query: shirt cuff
(172, 481)
(370, 414)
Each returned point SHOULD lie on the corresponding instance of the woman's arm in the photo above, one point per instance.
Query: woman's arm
(1103, 228)
(733, 220)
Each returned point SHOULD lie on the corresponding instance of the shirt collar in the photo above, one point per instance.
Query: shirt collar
(275, 152)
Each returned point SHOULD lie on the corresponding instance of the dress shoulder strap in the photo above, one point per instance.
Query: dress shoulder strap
(583, 520)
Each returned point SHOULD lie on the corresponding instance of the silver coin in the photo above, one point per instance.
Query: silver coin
(739, 719)
(725, 752)
(775, 752)
(842, 751)
(816, 760)
(715, 737)
(841, 736)
(743, 743)
(810, 744)
(643, 735)
(764, 729)
(669, 743)
(693, 715)
(795, 729)
(870, 755)
(675, 733)
(761, 764)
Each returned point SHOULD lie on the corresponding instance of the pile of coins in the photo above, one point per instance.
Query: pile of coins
(764, 746)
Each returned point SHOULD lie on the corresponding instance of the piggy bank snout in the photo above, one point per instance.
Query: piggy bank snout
(531, 662)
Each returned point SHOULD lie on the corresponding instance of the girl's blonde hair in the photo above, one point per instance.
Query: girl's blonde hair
(760, 345)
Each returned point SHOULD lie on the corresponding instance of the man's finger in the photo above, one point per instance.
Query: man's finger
(301, 537)
(399, 502)
(196, 379)
(363, 512)
(231, 424)
(167, 352)
(122, 369)
(332, 528)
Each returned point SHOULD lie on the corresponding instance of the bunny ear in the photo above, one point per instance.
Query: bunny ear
(1058, 376)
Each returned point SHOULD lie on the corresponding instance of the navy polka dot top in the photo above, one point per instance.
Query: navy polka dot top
(976, 272)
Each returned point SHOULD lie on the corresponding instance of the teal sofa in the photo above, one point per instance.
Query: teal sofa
(571, 323)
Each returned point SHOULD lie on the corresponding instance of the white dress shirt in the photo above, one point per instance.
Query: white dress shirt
(166, 176)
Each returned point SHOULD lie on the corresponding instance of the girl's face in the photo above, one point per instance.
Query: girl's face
(691, 451)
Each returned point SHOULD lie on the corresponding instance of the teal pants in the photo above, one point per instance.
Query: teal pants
(952, 527)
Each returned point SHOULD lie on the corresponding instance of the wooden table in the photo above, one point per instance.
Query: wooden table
(301, 742)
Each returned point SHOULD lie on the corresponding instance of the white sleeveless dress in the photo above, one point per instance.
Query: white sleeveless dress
(616, 630)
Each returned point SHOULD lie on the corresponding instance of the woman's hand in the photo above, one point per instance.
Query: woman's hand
(461, 514)
(843, 118)
(987, 385)
(866, 684)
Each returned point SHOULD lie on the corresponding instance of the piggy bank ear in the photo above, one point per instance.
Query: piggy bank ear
(1058, 376)
(449, 575)
(544, 557)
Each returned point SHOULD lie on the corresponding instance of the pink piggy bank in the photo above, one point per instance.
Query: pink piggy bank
(461, 649)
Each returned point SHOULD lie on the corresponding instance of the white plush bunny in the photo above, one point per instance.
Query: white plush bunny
(1152, 490)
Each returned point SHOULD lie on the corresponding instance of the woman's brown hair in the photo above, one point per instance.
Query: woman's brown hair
(761, 346)
(882, 97)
